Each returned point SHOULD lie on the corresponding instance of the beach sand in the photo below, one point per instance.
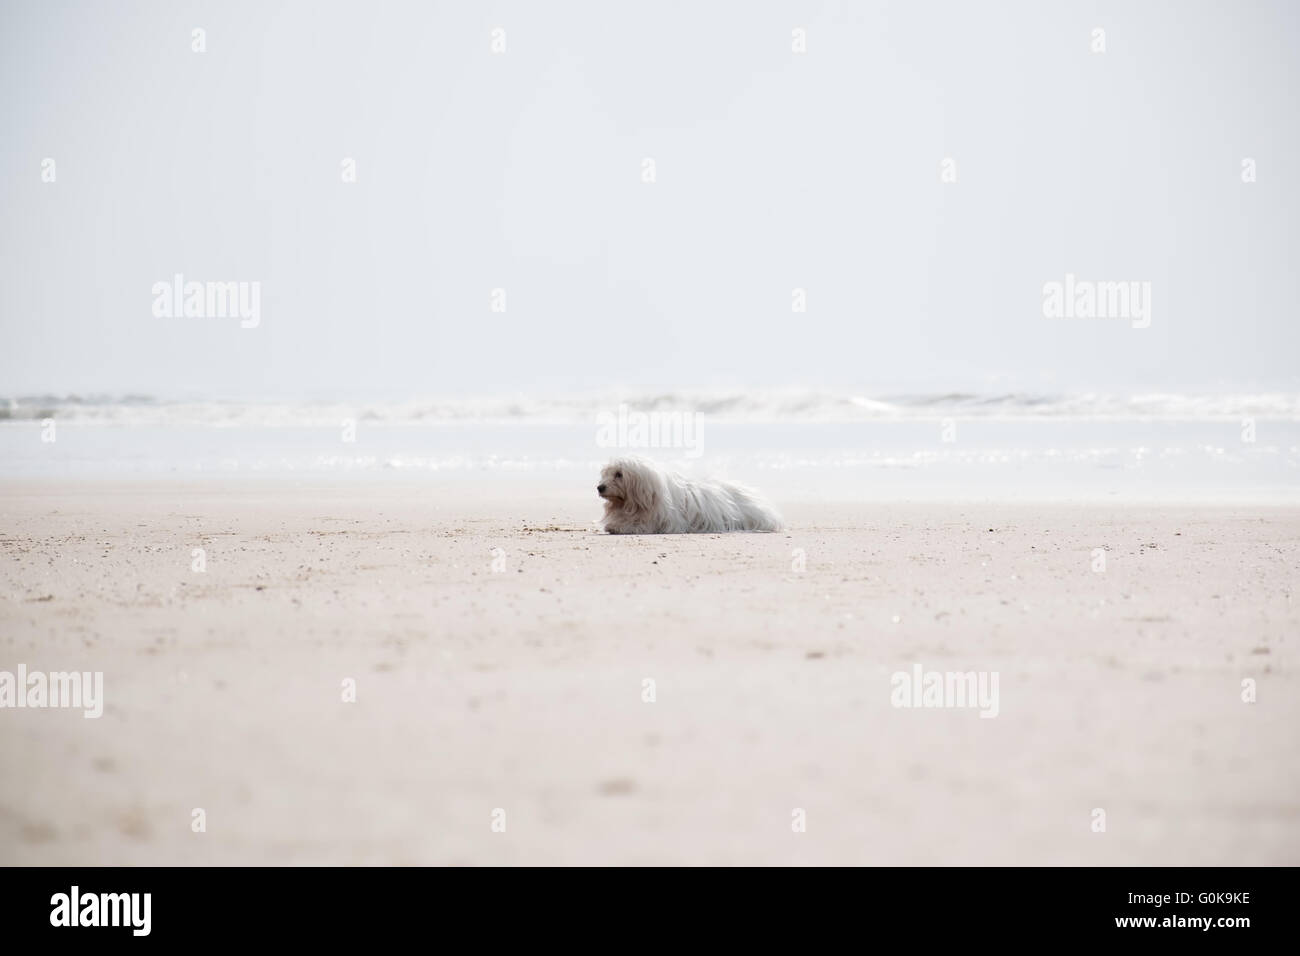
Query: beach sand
(521, 689)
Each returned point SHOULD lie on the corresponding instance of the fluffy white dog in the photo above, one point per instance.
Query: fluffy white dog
(642, 498)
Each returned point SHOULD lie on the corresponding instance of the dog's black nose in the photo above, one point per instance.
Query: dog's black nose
(600, 489)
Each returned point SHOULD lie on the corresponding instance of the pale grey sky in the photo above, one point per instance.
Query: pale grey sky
(523, 170)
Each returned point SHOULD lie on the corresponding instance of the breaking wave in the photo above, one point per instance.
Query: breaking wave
(739, 406)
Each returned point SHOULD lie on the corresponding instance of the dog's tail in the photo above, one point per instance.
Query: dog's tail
(756, 513)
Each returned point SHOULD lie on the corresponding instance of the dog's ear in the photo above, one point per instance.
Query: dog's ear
(640, 487)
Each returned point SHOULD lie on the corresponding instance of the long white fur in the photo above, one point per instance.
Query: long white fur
(647, 499)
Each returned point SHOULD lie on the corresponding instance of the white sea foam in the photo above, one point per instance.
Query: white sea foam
(736, 406)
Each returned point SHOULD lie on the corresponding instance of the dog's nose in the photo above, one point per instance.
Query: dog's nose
(600, 489)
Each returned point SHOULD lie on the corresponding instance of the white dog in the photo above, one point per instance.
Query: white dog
(642, 498)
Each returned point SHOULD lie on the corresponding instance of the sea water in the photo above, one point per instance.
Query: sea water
(1230, 447)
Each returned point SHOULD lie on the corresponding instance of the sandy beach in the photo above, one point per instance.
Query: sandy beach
(500, 650)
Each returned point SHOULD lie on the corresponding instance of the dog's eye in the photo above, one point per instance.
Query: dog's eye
(618, 474)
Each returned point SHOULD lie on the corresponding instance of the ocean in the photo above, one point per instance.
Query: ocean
(811, 444)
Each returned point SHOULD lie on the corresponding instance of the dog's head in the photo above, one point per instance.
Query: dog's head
(630, 484)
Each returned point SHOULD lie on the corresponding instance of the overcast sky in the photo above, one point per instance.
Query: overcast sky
(524, 170)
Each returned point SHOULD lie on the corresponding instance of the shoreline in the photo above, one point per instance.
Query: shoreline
(509, 489)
